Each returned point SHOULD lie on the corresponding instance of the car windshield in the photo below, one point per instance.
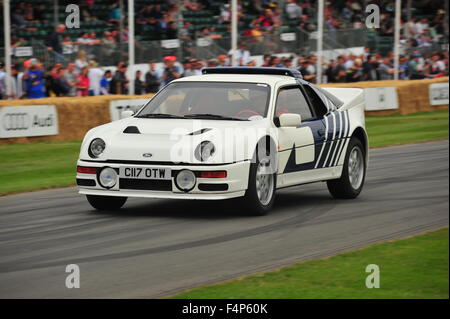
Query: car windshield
(209, 100)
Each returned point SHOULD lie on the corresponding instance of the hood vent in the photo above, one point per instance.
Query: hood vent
(132, 130)
(203, 130)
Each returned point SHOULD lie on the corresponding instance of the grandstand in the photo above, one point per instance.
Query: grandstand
(200, 29)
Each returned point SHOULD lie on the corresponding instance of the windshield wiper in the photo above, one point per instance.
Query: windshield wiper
(161, 116)
(213, 117)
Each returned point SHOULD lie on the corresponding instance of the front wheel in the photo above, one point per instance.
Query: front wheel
(260, 194)
(353, 173)
(106, 202)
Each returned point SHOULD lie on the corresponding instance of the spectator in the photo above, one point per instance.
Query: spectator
(370, 69)
(61, 86)
(189, 68)
(18, 19)
(54, 40)
(184, 32)
(156, 12)
(293, 10)
(355, 74)
(198, 65)
(172, 31)
(2, 81)
(71, 79)
(104, 83)
(138, 83)
(304, 69)
(266, 60)
(16, 82)
(331, 72)
(342, 74)
(81, 61)
(403, 68)
(225, 14)
(93, 39)
(153, 27)
(240, 56)
(415, 68)
(68, 45)
(152, 81)
(222, 60)
(385, 70)
(115, 15)
(287, 63)
(421, 25)
(34, 80)
(211, 63)
(84, 39)
(435, 68)
(83, 82)
(95, 76)
(265, 19)
(119, 82)
(171, 71)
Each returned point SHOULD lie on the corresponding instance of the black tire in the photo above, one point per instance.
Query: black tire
(250, 200)
(106, 202)
(342, 187)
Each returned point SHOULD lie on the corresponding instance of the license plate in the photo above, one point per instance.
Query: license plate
(145, 172)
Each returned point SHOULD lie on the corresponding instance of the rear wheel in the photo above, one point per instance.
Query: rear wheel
(106, 202)
(353, 172)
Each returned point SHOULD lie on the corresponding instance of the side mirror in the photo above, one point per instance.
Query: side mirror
(127, 113)
(290, 120)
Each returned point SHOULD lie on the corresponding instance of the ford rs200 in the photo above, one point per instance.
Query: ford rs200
(232, 132)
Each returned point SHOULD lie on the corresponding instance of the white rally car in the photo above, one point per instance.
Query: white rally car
(231, 132)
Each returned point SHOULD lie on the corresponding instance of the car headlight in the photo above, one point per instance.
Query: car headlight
(204, 151)
(107, 177)
(185, 180)
(96, 147)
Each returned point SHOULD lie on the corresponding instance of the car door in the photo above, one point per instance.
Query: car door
(336, 124)
(298, 147)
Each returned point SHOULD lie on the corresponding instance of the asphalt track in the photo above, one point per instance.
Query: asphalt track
(154, 248)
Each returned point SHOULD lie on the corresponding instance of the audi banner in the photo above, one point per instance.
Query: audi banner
(24, 121)
(381, 98)
(438, 93)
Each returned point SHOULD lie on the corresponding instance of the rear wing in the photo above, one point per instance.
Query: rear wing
(350, 97)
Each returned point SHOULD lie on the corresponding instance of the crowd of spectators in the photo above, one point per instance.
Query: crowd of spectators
(171, 19)
(421, 57)
(86, 78)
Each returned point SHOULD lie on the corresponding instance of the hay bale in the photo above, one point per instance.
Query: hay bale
(76, 115)
(413, 96)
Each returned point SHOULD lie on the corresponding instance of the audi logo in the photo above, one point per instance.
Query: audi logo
(16, 121)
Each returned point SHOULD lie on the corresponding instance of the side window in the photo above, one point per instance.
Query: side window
(316, 102)
(291, 100)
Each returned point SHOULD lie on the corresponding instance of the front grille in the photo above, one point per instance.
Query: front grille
(145, 184)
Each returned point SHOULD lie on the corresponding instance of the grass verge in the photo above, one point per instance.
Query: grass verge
(415, 267)
(26, 167)
(403, 129)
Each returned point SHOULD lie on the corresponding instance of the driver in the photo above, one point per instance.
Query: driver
(258, 99)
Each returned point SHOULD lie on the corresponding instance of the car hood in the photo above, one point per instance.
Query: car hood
(175, 140)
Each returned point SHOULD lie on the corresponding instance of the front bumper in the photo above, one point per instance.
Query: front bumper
(234, 185)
